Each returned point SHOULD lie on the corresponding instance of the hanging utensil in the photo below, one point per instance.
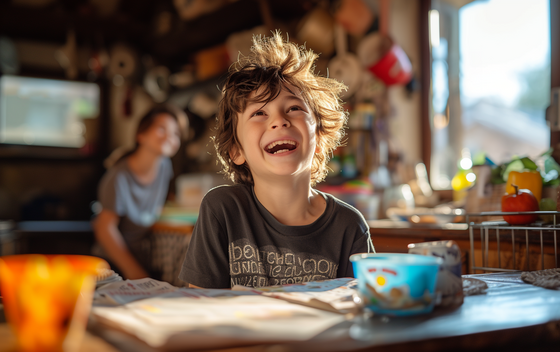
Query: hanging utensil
(355, 16)
(345, 66)
(156, 83)
(122, 61)
(67, 56)
(316, 29)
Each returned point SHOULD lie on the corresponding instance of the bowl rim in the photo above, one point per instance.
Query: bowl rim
(397, 258)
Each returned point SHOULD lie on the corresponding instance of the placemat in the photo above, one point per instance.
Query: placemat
(548, 278)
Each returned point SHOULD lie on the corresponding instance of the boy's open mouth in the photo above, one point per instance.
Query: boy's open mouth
(281, 147)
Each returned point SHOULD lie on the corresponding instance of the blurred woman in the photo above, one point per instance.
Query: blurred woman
(132, 193)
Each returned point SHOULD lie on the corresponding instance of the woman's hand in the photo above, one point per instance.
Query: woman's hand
(108, 235)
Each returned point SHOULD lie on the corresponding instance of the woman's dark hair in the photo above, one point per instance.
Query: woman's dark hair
(145, 123)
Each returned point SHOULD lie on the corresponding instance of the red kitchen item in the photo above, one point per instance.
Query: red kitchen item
(394, 67)
(385, 59)
(382, 56)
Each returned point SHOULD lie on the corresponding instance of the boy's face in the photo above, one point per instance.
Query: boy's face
(278, 139)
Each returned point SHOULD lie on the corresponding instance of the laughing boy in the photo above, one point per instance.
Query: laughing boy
(278, 122)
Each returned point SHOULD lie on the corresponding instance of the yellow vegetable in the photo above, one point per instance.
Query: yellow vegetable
(530, 180)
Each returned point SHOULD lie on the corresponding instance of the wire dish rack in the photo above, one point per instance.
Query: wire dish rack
(505, 247)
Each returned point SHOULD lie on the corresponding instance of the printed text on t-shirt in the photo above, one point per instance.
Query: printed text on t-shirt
(268, 265)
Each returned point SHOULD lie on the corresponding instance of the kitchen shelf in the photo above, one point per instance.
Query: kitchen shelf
(133, 24)
(52, 25)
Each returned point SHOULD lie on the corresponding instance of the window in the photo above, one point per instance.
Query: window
(490, 66)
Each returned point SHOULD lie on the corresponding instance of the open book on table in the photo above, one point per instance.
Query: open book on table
(336, 295)
(123, 292)
(166, 317)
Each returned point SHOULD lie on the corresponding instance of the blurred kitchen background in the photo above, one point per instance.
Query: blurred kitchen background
(438, 91)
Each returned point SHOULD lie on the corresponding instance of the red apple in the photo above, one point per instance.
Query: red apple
(521, 200)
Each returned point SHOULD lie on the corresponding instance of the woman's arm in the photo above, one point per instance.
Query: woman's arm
(108, 235)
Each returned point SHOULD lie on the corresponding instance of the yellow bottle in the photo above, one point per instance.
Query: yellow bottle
(460, 183)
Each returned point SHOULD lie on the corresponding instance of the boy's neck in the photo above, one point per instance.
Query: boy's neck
(292, 202)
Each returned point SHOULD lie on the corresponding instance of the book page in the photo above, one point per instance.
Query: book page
(122, 292)
(334, 295)
(171, 321)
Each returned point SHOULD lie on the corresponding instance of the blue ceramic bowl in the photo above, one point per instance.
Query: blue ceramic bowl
(396, 283)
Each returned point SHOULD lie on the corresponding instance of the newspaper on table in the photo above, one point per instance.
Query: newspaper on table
(122, 292)
(336, 295)
(167, 317)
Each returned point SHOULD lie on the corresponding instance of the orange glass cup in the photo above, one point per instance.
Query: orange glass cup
(47, 298)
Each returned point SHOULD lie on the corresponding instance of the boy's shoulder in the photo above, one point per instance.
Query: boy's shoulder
(228, 193)
(344, 211)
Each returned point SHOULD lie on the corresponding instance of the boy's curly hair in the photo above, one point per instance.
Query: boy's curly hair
(273, 64)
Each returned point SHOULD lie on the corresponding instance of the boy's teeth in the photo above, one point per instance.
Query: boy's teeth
(281, 151)
(273, 144)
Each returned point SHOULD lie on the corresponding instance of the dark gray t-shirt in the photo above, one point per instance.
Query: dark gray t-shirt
(236, 241)
(137, 205)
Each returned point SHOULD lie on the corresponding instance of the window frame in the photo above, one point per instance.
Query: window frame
(426, 74)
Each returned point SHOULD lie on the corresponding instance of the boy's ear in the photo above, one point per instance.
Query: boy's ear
(236, 155)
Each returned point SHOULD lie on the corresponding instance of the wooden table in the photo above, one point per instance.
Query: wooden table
(91, 343)
(8, 341)
(510, 316)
